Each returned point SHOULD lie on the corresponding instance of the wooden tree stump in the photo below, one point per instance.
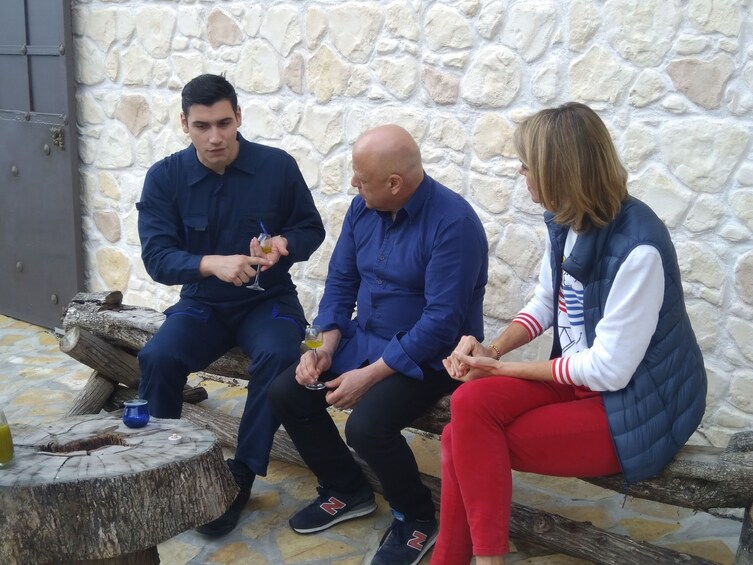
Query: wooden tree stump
(89, 489)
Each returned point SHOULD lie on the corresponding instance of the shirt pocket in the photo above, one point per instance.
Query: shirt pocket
(196, 232)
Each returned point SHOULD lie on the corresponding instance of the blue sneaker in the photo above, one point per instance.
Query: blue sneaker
(406, 542)
(332, 507)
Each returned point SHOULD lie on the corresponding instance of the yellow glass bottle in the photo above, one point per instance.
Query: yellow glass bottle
(6, 443)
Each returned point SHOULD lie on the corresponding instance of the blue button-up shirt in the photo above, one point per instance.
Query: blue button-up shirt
(418, 282)
(188, 211)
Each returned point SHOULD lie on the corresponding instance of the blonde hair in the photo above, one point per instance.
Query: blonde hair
(573, 164)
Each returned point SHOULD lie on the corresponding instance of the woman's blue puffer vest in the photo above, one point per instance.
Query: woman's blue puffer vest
(662, 405)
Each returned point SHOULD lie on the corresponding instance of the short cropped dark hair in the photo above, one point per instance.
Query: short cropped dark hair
(207, 90)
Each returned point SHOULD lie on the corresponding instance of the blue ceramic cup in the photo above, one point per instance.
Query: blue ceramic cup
(135, 413)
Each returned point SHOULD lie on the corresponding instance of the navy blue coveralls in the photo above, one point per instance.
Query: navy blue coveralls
(188, 211)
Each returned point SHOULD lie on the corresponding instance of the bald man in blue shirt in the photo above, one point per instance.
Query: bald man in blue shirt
(200, 213)
(412, 256)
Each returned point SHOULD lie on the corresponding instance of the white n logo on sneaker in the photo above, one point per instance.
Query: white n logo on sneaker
(417, 541)
(333, 505)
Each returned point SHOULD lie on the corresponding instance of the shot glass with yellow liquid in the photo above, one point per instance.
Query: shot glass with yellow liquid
(314, 339)
(6, 443)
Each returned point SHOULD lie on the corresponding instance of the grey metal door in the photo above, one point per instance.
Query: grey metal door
(40, 224)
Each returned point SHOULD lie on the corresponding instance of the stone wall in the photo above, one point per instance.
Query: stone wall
(673, 79)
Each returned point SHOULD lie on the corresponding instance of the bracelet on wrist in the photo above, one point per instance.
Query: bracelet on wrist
(497, 352)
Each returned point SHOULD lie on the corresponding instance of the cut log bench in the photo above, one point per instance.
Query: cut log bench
(90, 490)
(106, 335)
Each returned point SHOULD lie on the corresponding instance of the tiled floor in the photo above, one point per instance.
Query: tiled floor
(38, 384)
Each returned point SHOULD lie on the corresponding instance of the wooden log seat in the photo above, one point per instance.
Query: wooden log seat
(702, 478)
(88, 489)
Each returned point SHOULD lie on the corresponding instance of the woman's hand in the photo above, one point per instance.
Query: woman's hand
(475, 367)
(457, 364)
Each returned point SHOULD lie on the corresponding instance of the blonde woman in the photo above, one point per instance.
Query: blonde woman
(624, 387)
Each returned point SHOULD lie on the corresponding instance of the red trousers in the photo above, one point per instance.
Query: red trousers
(504, 423)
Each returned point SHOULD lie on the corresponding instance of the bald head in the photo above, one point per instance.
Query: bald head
(387, 167)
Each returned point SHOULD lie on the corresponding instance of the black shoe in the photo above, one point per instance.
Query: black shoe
(332, 507)
(223, 525)
(406, 542)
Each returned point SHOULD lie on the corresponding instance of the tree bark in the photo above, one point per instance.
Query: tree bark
(93, 396)
(89, 488)
(111, 362)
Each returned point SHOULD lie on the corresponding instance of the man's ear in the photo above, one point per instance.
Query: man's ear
(238, 117)
(395, 183)
(184, 122)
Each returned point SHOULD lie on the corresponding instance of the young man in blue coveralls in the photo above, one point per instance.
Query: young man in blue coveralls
(200, 212)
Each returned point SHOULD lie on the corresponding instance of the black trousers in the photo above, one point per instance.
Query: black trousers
(373, 429)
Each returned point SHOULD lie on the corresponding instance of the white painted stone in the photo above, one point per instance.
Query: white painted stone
(358, 81)
(445, 27)
(701, 152)
(642, 30)
(417, 124)
(401, 19)
(125, 26)
(665, 197)
(585, 20)
(222, 29)
(741, 332)
(133, 111)
(698, 263)
(282, 28)
(137, 66)
(503, 282)
(599, 76)
(189, 22)
(155, 27)
(326, 75)
(334, 176)
(530, 28)
(91, 69)
(691, 44)
(187, 66)
(114, 267)
(723, 16)
(89, 110)
(493, 78)
(701, 314)
(490, 193)
(306, 156)
(260, 68)
(251, 20)
(100, 26)
(323, 127)
(315, 26)
(108, 185)
(492, 137)
(733, 232)
(521, 249)
(638, 145)
(446, 131)
(647, 88)
(114, 147)
(399, 75)
(744, 277)
(675, 103)
(741, 391)
(546, 82)
(353, 28)
(262, 121)
(489, 21)
(705, 214)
